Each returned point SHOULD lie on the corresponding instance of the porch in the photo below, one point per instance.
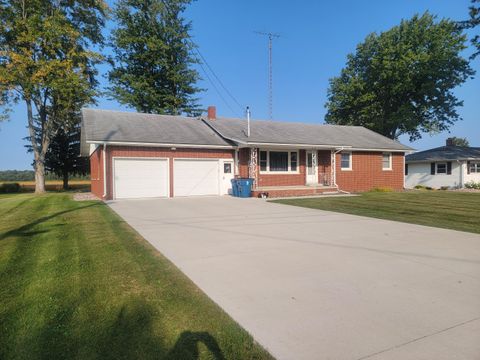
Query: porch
(296, 190)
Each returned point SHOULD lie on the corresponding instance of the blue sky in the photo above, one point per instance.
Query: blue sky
(316, 37)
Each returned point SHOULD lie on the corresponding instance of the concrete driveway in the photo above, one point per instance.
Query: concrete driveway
(310, 284)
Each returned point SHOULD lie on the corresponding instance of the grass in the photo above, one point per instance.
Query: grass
(53, 185)
(443, 209)
(77, 282)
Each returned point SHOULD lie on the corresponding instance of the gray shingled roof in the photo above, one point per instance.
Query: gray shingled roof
(301, 133)
(118, 126)
(130, 127)
(445, 153)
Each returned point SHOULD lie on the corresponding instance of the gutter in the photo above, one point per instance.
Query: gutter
(126, 143)
(104, 170)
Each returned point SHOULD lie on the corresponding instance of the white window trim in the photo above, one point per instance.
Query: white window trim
(289, 162)
(436, 168)
(349, 161)
(390, 160)
(475, 165)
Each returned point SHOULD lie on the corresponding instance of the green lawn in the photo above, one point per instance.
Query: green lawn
(445, 209)
(77, 282)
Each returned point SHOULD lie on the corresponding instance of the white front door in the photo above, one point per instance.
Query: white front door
(226, 176)
(140, 178)
(312, 169)
(196, 177)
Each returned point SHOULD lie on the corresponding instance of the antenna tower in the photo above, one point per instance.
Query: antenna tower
(270, 37)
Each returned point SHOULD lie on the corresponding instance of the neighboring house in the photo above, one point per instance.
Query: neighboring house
(143, 155)
(446, 166)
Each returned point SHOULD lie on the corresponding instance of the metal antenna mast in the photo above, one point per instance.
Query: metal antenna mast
(270, 36)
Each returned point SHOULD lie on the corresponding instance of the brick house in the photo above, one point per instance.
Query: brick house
(135, 155)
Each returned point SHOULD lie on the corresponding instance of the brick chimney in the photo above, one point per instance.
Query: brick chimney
(450, 142)
(212, 113)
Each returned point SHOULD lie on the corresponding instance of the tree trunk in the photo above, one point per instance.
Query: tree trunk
(65, 180)
(39, 177)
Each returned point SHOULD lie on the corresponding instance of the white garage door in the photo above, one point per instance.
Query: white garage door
(140, 178)
(195, 177)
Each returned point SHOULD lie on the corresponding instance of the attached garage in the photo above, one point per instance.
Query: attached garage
(195, 177)
(140, 178)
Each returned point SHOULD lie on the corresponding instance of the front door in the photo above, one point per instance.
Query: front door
(312, 172)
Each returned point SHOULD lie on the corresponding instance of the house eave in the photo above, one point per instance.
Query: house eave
(145, 144)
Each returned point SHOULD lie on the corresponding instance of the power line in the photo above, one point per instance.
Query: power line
(270, 36)
(216, 89)
(219, 81)
(193, 46)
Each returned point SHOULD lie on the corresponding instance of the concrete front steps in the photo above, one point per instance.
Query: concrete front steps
(293, 191)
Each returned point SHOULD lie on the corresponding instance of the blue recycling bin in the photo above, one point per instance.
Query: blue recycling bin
(244, 187)
(235, 187)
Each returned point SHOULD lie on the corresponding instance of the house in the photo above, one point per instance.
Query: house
(135, 155)
(446, 166)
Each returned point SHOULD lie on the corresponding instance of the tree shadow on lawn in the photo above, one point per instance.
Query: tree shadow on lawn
(131, 335)
(26, 230)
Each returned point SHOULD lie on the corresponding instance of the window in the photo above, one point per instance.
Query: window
(441, 168)
(294, 161)
(227, 168)
(346, 161)
(387, 161)
(474, 167)
(263, 161)
(278, 161)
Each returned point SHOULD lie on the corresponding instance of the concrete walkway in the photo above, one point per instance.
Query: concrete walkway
(310, 284)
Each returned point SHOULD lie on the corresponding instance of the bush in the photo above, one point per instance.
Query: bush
(422, 187)
(472, 185)
(6, 188)
(382, 189)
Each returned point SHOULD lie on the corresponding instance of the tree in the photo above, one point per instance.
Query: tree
(401, 81)
(474, 21)
(152, 64)
(62, 158)
(457, 141)
(45, 63)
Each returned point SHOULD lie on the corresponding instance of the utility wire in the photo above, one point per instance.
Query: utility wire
(219, 81)
(192, 44)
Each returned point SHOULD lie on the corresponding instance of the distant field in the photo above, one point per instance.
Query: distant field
(53, 185)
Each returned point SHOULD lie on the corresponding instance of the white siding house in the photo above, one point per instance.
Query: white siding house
(447, 166)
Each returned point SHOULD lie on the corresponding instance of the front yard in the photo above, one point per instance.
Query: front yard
(444, 209)
(77, 282)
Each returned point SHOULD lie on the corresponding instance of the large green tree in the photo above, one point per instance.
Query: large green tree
(473, 22)
(45, 62)
(401, 81)
(152, 66)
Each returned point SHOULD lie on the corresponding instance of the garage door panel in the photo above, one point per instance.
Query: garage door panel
(196, 177)
(140, 178)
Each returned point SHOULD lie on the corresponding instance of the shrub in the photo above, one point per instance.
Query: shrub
(382, 189)
(472, 185)
(444, 187)
(9, 188)
(419, 187)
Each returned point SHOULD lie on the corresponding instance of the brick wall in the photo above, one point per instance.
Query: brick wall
(96, 172)
(132, 151)
(367, 172)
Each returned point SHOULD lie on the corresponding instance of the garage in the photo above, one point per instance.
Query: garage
(140, 178)
(196, 177)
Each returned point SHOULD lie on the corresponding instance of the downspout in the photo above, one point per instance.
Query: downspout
(335, 171)
(104, 170)
(461, 173)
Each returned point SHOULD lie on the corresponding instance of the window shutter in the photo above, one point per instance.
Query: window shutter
(406, 169)
(449, 168)
(432, 168)
(468, 167)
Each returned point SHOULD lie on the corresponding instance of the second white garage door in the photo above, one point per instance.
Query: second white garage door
(195, 177)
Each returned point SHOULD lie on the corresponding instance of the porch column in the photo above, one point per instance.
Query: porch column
(252, 166)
